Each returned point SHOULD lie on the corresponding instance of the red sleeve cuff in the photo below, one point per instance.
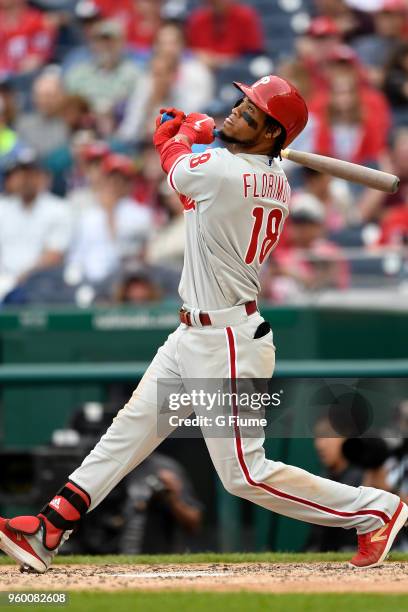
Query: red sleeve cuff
(170, 152)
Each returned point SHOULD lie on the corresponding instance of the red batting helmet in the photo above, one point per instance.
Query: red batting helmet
(280, 100)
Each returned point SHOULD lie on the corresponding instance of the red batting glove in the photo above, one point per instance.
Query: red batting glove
(168, 129)
(198, 128)
(175, 112)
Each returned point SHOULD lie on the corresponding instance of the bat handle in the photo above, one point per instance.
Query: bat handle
(167, 117)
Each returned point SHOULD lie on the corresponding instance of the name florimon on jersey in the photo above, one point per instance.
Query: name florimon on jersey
(267, 186)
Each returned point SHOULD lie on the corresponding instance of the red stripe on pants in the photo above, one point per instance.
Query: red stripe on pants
(241, 457)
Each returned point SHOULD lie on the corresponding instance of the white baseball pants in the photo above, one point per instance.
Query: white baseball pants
(227, 350)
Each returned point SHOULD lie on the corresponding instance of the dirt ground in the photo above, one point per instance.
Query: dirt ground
(260, 577)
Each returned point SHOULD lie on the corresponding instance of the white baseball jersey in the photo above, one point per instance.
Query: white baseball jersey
(235, 207)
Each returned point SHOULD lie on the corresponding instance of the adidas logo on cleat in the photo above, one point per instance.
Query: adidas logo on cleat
(55, 503)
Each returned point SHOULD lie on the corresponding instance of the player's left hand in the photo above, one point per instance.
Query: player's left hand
(176, 113)
(168, 129)
(198, 128)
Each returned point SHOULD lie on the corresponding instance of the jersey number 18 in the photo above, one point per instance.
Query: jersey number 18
(271, 235)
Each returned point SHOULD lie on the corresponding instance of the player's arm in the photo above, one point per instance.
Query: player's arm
(173, 141)
(198, 175)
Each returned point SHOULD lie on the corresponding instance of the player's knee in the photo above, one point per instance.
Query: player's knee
(235, 484)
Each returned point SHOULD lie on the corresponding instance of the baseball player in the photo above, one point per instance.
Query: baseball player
(235, 204)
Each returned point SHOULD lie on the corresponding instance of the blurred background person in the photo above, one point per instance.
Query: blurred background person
(138, 287)
(154, 509)
(176, 78)
(351, 19)
(27, 37)
(87, 15)
(113, 230)
(307, 261)
(348, 125)
(223, 31)
(315, 46)
(373, 205)
(43, 129)
(153, 92)
(166, 246)
(89, 158)
(396, 84)
(80, 126)
(161, 508)
(140, 20)
(108, 77)
(374, 49)
(333, 194)
(35, 225)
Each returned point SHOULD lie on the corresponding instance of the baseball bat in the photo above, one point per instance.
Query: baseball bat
(376, 179)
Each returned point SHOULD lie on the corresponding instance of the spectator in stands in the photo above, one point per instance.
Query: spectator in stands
(194, 86)
(166, 246)
(332, 194)
(107, 79)
(138, 287)
(374, 204)
(43, 129)
(90, 158)
(350, 22)
(87, 14)
(394, 226)
(307, 261)
(27, 37)
(139, 18)
(115, 229)
(80, 126)
(328, 446)
(152, 92)
(175, 79)
(396, 83)
(149, 175)
(390, 28)
(352, 121)
(313, 49)
(224, 31)
(144, 24)
(35, 228)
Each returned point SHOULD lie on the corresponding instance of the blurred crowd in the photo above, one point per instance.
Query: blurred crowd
(86, 215)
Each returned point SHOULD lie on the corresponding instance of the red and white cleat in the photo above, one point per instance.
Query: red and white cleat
(27, 550)
(373, 547)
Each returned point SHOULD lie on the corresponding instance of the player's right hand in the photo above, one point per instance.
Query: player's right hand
(199, 128)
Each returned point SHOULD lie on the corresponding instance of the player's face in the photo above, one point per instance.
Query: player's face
(246, 125)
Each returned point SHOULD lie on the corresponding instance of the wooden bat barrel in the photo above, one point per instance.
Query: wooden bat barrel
(376, 179)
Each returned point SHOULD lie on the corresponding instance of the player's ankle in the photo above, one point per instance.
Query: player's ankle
(63, 513)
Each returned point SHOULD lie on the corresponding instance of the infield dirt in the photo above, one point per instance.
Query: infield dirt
(217, 577)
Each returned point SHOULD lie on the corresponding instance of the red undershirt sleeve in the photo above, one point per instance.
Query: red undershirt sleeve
(171, 151)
